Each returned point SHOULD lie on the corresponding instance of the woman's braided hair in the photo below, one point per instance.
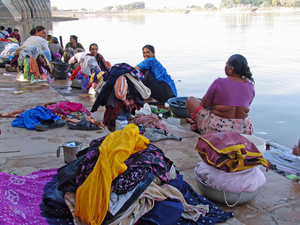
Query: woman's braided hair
(240, 66)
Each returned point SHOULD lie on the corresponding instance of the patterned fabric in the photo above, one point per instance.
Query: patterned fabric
(65, 108)
(125, 68)
(208, 122)
(21, 197)
(128, 181)
(154, 158)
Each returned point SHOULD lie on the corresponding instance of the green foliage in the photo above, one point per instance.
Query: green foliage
(131, 6)
(209, 5)
(53, 8)
(297, 3)
(108, 8)
(276, 2)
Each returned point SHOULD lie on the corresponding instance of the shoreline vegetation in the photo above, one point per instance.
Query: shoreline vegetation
(67, 15)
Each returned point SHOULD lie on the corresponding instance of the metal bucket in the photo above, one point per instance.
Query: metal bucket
(60, 70)
(229, 198)
(69, 151)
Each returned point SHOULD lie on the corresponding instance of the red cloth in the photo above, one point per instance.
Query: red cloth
(229, 151)
(74, 74)
(112, 113)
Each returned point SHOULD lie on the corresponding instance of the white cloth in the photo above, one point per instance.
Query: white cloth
(76, 58)
(4, 32)
(142, 89)
(241, 181)
(36, 41)
(89, 65)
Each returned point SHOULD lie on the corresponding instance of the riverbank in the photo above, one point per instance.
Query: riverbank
(12, 23)
(25, 151)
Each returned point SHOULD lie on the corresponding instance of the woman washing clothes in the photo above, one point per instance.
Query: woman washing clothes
(156, 77)
(225, 106)
(38, 39)
(104, 65)
(71, 47)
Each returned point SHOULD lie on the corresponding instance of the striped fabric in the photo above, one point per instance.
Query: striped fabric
(121, 88)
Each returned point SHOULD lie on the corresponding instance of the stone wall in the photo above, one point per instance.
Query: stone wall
(24, 9)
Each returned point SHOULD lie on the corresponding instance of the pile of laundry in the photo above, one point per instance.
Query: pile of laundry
(230, 163)
(87, 72)
(121, 91)
(282, 159)
(133, 183)
(31, 64)
(54, 115)
(9, 51)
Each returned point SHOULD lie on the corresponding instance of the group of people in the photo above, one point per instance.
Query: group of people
(10, 33)
(224, 107)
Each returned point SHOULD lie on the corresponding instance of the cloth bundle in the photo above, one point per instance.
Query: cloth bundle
(229, 151)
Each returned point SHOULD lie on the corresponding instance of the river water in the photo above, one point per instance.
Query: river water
(194, 48)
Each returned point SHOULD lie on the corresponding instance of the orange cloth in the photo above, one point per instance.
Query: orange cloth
(92, 197)
(34, 68)
(74, 74)
(121, 88)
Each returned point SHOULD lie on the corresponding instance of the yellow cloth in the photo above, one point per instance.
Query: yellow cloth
(99, 77)
(92, 197)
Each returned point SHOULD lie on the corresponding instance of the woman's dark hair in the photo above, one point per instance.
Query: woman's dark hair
(49, 36)
(240, 66)
(9, 30)
(150, 47)
(36, 29)
(74, 37)
(92, 45)
(16, 30)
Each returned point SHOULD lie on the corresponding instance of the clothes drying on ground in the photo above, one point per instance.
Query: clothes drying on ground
(65, 108)
(32, 117)
(32, 63)
(21, 199)
(151, 121)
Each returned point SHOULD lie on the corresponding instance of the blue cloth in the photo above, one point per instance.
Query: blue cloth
(121, 69)
(164, 212)
(33, 116)
(158, 71)
(215, 214)
(47, 53)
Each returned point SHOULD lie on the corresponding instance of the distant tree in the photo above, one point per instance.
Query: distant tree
(257, 2)
(297, 4)
(208, 5)
(53, 8)
(108, 8)
(267, 2)
(276, 2)
(83, 9)
(193, 6)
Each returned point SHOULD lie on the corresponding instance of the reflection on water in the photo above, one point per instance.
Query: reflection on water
(194, 48)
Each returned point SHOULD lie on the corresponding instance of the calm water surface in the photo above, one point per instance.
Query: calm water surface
(195, 47)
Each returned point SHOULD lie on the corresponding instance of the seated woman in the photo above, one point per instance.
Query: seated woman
(71, 47)
(156, 77)
(55, 47)
(16, 35)
(225, 106)
(38, 39)
(104, 65)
